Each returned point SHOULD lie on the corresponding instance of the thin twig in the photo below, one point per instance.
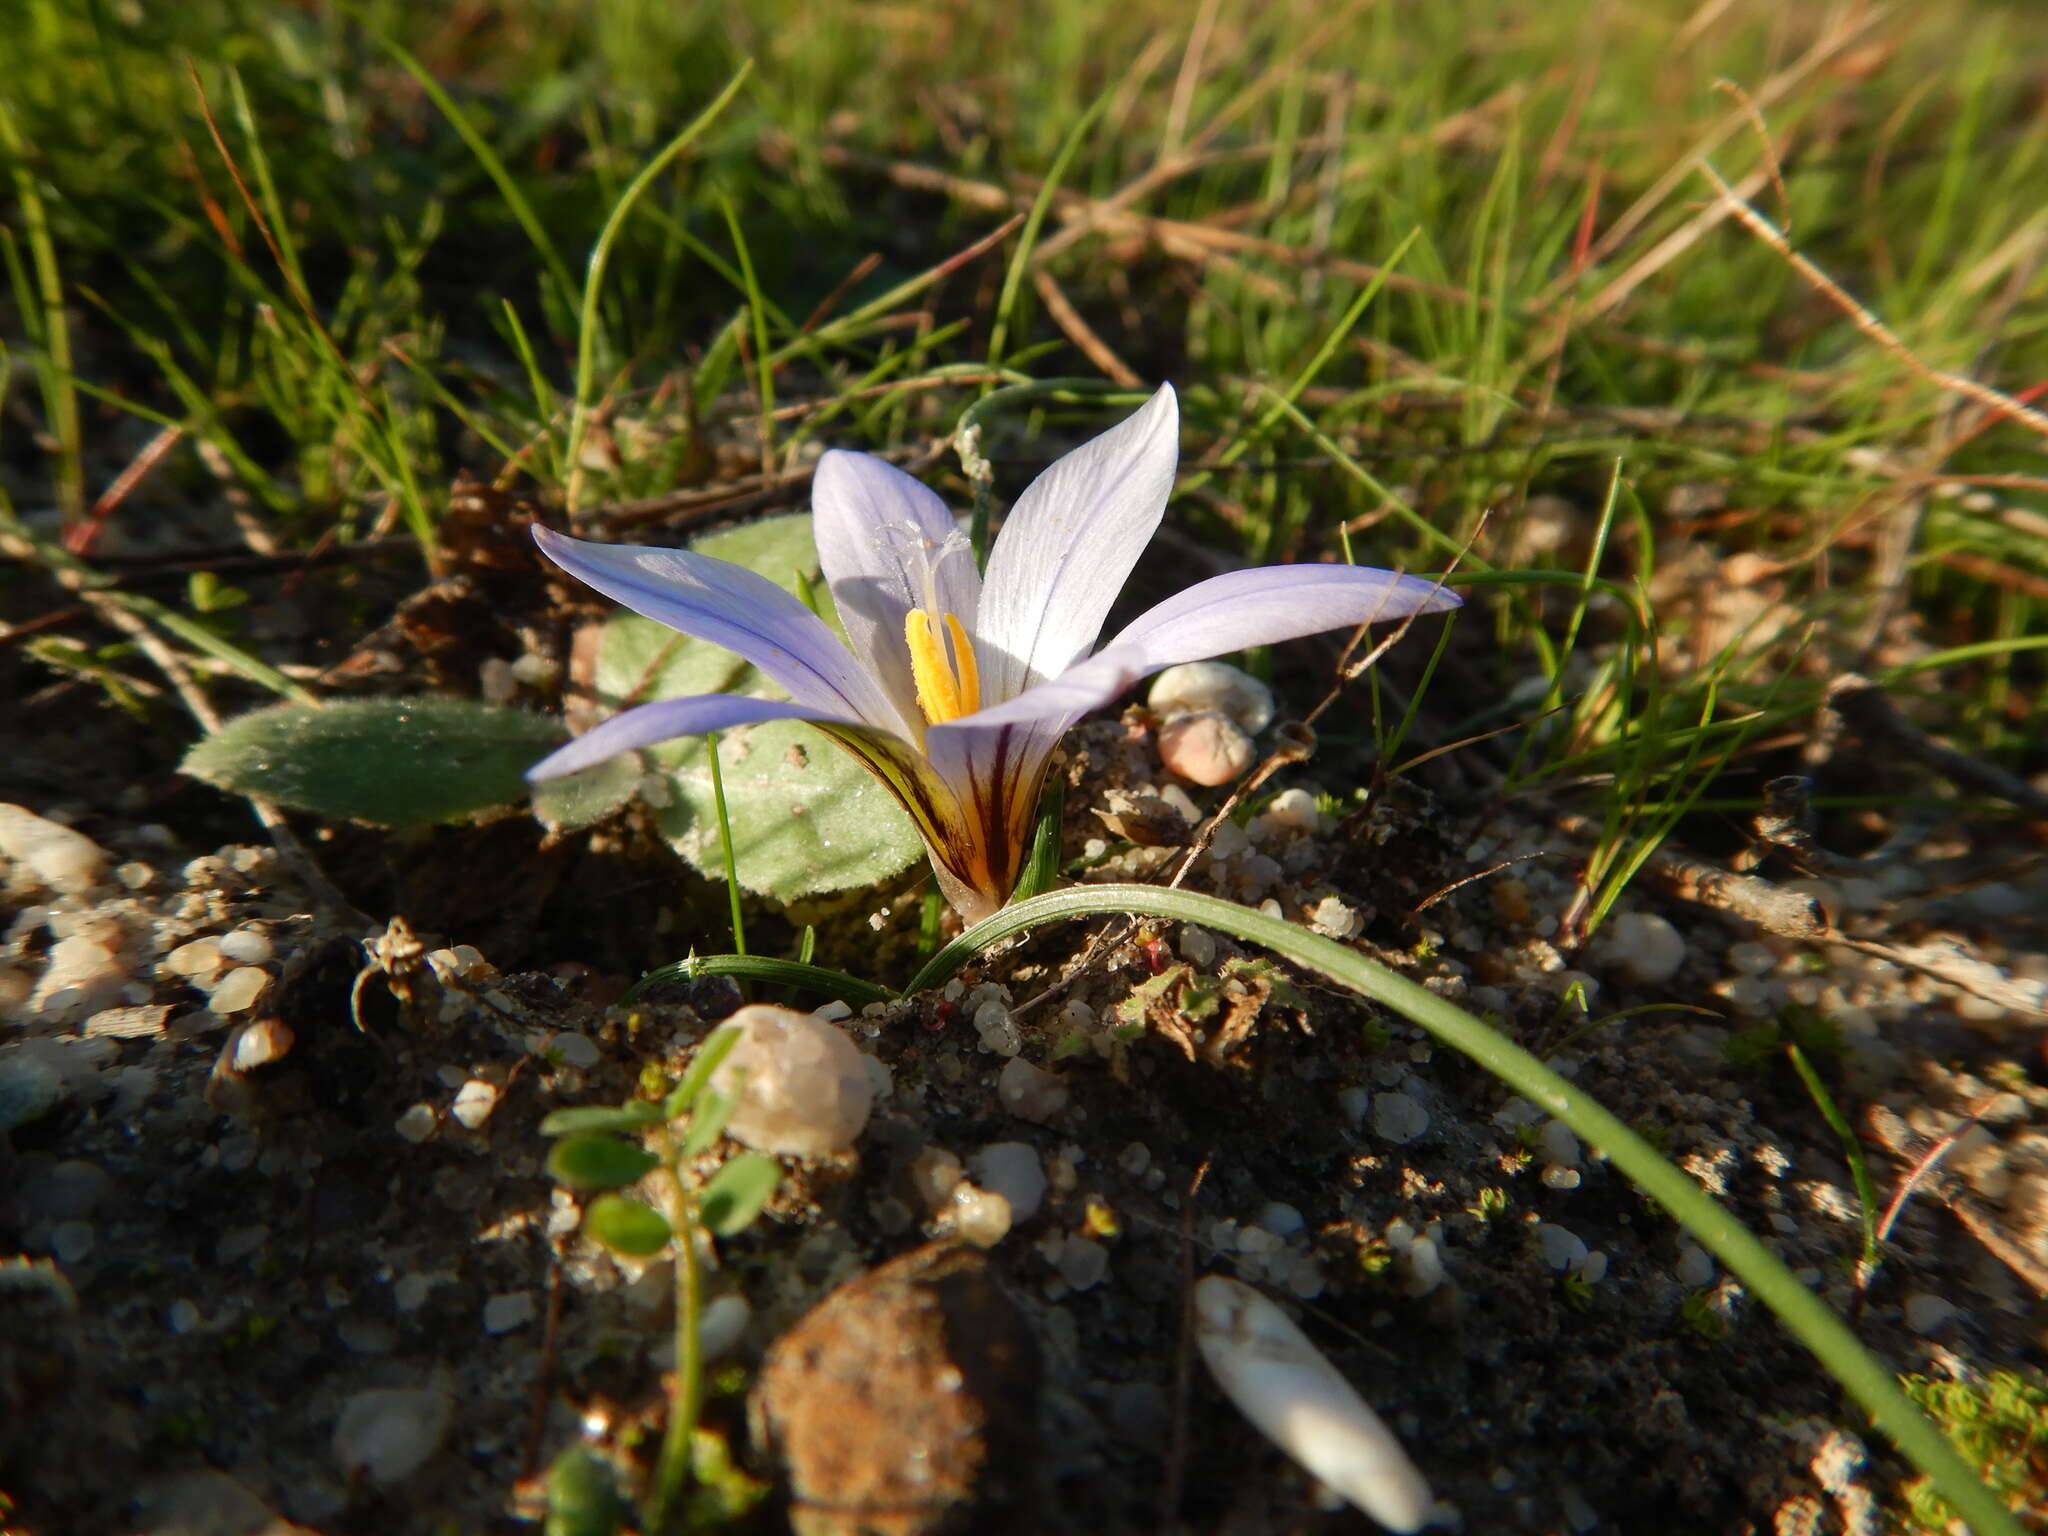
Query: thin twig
(1993, 400)
(1866, 709)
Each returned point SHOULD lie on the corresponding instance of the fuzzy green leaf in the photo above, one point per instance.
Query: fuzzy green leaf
(805, 817)
(391, 762)
(584, 799)
(627, 1226)
(598, 1162)
(737, 1192)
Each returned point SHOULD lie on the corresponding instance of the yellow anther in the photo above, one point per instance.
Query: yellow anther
(947, 686)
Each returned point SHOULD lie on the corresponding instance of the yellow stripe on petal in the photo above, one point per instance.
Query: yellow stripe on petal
(947, 686)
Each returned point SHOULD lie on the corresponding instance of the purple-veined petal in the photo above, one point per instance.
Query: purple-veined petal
(887, 545)
(994, 771)
(731, 606)
(649, 724)
(1068, 545)
(1226, 613)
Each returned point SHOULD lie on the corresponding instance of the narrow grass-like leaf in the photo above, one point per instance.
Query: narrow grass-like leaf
(593, 279)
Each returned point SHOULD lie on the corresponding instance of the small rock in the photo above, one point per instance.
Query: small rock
(1195, 686)
(238, 990)
(70, 1189)
(205, 1503)
(71, 1242)
(1012, 1169)
(1332, 918)
(980, 1216)
(1398, 1118)
(1559, 1144)
(803, 1088)
(1927, 1313)
(46, 856)
(512, 1309)
(1206, 748)
(934, 1174)
(1083, 1262)
(997, 1031)
(1562, 1247)
(197, 960)
(1647, 947)
(1281, 1219)
(85, 974)
(128, 1023)
(474, 1101)
(417, 1123)
(911, 1390)
(724, 1320)
(386, 1434)
(1029, 1092)
(246, 946)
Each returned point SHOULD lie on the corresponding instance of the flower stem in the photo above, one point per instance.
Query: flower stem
(686, 1394)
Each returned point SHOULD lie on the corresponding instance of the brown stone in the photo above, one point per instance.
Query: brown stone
(904, 1403)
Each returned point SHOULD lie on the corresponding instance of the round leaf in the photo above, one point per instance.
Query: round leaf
(627, 1226)
(737, 1192)
(599, 1162)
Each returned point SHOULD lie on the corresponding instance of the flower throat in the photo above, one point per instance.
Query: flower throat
(948, 685)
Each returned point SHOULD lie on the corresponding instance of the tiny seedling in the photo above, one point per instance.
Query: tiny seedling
(601, 1151)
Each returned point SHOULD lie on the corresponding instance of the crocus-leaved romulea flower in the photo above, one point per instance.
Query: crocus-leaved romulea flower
(954, 687)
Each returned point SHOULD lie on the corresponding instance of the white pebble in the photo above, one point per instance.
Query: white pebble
(1290, 811)
(1012, 1169)
(802, 1086)
(474, 1101)
(1212, 685)
(1557, 1176)
(997, 1031)
(198, 959)
(1286, 1387)
(1281, 1219)
(386, 1434)
(1927, 1313)
(184, 1316)
(1559, 1144)
(575, 1050)
(1333, 918)
(246, 946)
(238, 990)
(1422, 1263)
(47, 855)
(722, 1323)
(1562, 1247)
(1398, 1118)
(1648, 947)
(1206, 748)
(980, 1216)
(1029, 1092)
(1197, 947)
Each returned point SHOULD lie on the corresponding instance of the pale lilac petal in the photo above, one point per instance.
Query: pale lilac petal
(1233, 612)
(649, 724)
(888, 545)
(1068, 545)
(731, 606)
